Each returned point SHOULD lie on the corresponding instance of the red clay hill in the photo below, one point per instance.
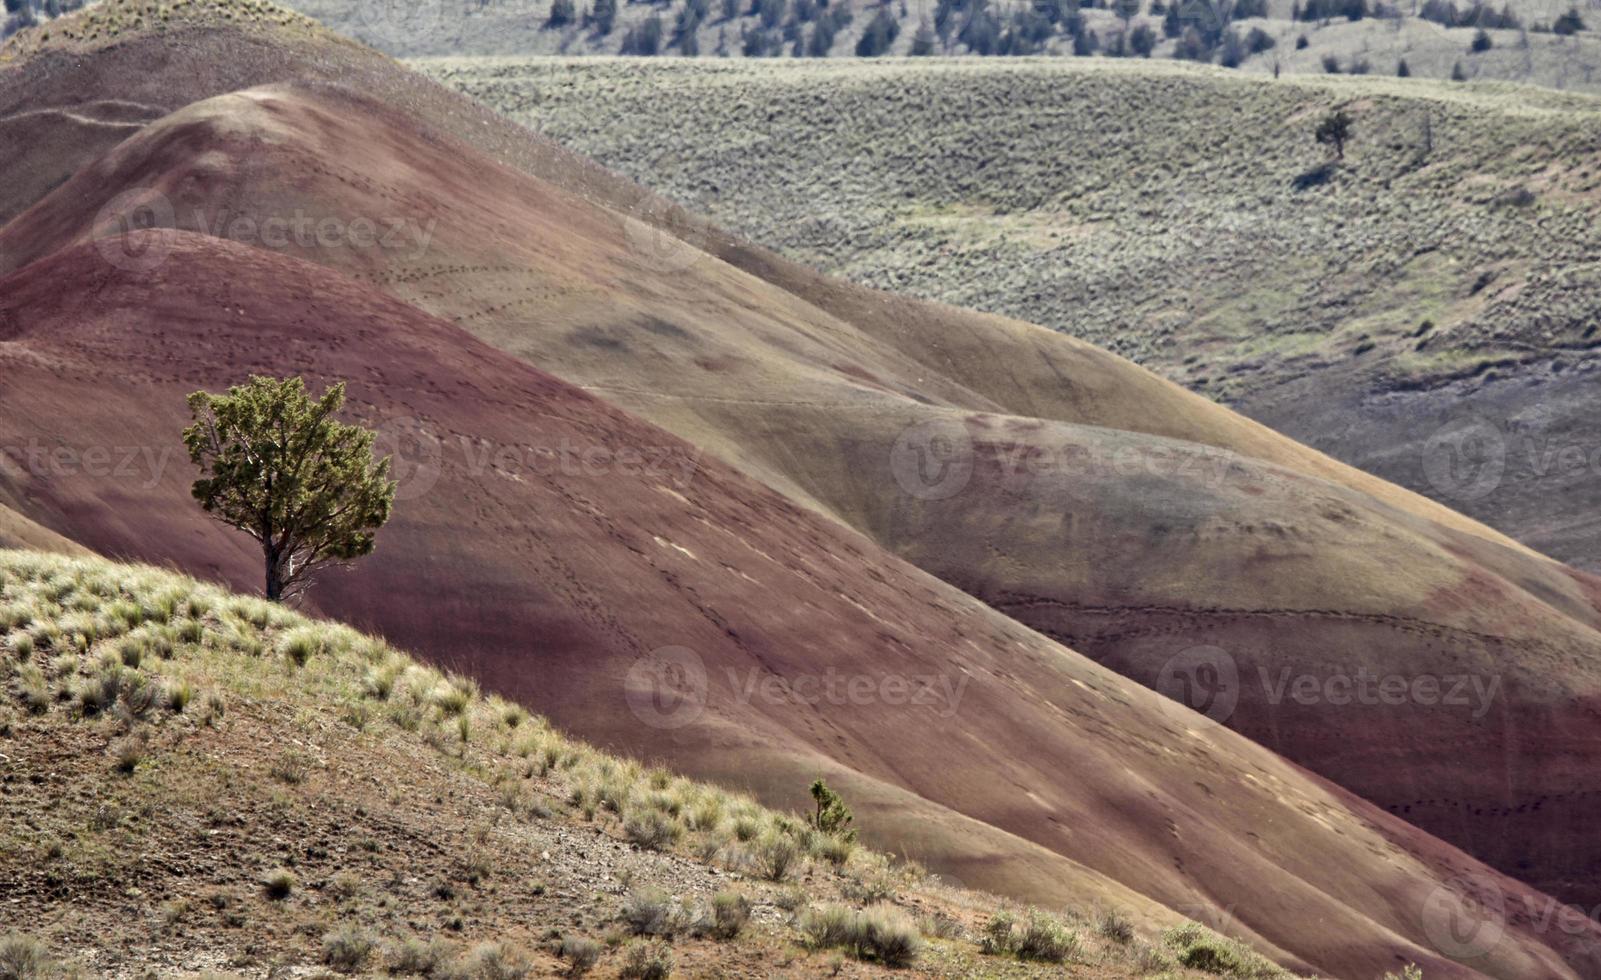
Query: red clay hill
(1086, 498)
(557, 541)
(566, 580)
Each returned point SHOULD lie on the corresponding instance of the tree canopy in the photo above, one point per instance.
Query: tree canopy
(278, 466)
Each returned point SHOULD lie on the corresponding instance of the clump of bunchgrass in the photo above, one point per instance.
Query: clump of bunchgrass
(412, 957)
(1045, 940)
(581, 954)
(279, 884)
(652, 829)
(870, 881)
(493, 961)
(1037, 937)
(299, 645)
(730, 913)
(347, 948)
(179, 695)
(879, 933)
(23, 957)
(646, 961)
(127, 753)
(653, 912)
(1198, 948)
(775, 856)
(1114, 925)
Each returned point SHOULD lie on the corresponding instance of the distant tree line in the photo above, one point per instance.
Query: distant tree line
(1200, 30)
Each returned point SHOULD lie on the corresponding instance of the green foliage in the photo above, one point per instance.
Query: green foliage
(279, 467)
(730, 913)
(775, 854)
(24, 958)
(879, 933)
(562, 13)
(581, 954)
(644, 38)
(1199, 948)
(652, 912)
(1045, 940)
(1210, 957)
(1114, 925)
(1333, 130)
(1142, 40)
(651, 829)
(279, 884)
(833, 817)
(1569, 23)
(647, 961)
(999, 937)
(346, 949)
(880, 34)
(1039, 937)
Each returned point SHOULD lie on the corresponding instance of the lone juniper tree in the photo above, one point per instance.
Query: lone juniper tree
(279, 467)
(1334, 130)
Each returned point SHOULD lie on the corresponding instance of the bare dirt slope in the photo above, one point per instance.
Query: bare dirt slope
(17, 531)
(1445, 276)
(556, 585)
(200, 746)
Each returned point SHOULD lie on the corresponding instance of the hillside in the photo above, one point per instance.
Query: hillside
(229, 788)
(544, 307)
(1435, 39)
(1163, 547)
(1448, 263)
(631, 563)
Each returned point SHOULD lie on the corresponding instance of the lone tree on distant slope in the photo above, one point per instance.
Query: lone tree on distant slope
(833, 816)
(1334, 130)
(279, 467)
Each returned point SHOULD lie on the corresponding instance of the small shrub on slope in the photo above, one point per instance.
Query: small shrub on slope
(879, 933)
(24, 958)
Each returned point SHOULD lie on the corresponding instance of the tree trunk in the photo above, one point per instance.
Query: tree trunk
(275, 586)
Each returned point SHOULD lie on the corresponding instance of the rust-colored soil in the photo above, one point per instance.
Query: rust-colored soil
(723, 459)
(1047, 776)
